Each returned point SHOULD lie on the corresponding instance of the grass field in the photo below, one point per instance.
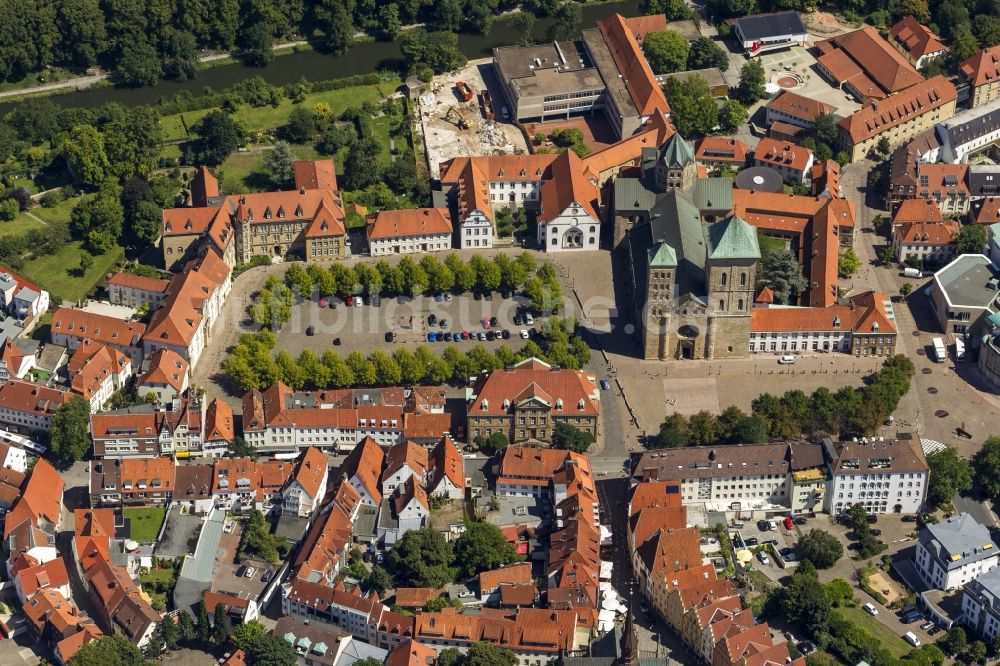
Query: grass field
(58, 272)
(245, 172)
(145, 523)
(26, 222)
(769, 245)
(269, 118)
(895, 644)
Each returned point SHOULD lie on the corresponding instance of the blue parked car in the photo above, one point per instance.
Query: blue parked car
(432, 337)
(439, 297)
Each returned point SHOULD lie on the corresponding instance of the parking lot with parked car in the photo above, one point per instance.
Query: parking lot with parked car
(488, 319)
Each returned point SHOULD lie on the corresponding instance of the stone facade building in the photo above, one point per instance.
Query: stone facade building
(526, 401)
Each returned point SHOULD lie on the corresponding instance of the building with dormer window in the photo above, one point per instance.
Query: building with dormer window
(525, 402)
(955, 551)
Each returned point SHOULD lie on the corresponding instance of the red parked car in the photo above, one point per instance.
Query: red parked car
(349, 300)
(788, 523)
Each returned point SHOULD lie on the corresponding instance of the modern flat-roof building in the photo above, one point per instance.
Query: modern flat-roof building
(605, 71)
(963, 294)
(761, 33)
(953, 552)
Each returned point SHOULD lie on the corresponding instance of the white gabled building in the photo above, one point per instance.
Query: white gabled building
(446, 471)
(568, 219)
(308, 485)
(955, 551)
(403, 461)
(409, 231)
(475, 231)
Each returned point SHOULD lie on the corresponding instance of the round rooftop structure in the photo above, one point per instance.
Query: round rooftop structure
(760, 179)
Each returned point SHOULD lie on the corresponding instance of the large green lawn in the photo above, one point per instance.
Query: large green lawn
(145, 523)
(270, 118)
(245, 172)
(895, 644)
(58, 273)
(25, 222)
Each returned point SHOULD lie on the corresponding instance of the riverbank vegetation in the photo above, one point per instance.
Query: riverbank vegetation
(140, 45)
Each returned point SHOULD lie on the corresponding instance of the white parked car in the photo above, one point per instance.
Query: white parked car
(787, 359)
(524, 334)
(762, 556)
(358, 301)
(528, 319)
(871, 609)
(250, 572)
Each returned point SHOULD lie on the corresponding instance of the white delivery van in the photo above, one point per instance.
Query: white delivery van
(911, 638)
(912, 273)
(940, 353)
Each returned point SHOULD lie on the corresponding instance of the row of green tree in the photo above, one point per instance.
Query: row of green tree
(846, 412)
(430, 276)
(253, 365)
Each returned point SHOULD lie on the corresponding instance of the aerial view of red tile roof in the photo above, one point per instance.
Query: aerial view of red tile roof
(415, 597)
(311, 470)
(92, 364)
(409, 223)
(31, 398)
(50, 607)
(67, 648)
(534, 629)
(654, 133)
(721, 149)
(798, 106)
(514, 574)
(640, 26)
(365, 461)
(915, 39)
(655, 494)
(881, 64)
(645, 90)
(41, 498)
(315, 174)
(132, 281)
(862, 312)
(825, 178)
(411, 653)
(884, 114)
(917, 210)
(567, 392)
(446, 461)
(188, 221)
(986, 211)
(177, 320)
(982, 67)
(646, 522)
(325, 544)
(204, 186)
(50, 574)
(927, 233)
(782, 154)
(12, 356)
(408, 454)
(96, 327)
(940, 181)
(166, 367)
(524, 463)
(144, 475)
(425, 426)
(571, 183)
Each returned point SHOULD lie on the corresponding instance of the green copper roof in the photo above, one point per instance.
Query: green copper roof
(677, 152)
(289, 638)
(994, 319)
(662, 256)
(732, 238)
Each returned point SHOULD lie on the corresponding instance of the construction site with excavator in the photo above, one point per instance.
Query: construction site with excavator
(461, 115)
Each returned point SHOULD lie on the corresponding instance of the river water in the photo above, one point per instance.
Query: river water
(311, 65)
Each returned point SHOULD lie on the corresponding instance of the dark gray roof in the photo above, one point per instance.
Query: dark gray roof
(958, 541)
(760, 179)
(767, 26)
(713, 194)
(984, 180)
(966, 281)
(972, 124)
(712, 461)
(631, 195)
